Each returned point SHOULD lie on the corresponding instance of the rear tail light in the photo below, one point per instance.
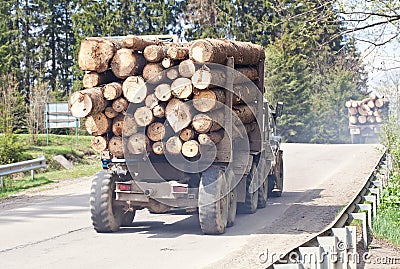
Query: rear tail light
(124, 187)
(179, 189)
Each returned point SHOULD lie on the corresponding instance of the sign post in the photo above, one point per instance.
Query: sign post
(57, 115)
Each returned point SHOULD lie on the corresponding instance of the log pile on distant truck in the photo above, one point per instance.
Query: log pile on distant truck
(172, 121)
(365, 117)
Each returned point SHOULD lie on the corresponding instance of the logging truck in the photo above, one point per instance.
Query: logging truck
(178, 126)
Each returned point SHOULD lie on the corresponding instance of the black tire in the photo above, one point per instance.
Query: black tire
(213, 201)
(263, 190)
(106, 217)
(127, 218)
(276, 181)
(251, 201)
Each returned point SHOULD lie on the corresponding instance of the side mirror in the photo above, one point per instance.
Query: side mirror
(279, 109)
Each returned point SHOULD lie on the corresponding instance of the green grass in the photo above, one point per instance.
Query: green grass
(387, 225)
(86, 163)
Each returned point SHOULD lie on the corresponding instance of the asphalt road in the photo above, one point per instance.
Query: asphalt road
(57, 232)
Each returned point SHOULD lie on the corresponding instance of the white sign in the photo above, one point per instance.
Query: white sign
(57, 115)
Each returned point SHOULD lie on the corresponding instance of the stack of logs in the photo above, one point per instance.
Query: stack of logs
(371, 110)
(165, 84)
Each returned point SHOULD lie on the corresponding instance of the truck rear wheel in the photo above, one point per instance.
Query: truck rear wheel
(263, 190)
(127, 218)
(213, 201)
(106, 215)
(276, 180)
(251, 201)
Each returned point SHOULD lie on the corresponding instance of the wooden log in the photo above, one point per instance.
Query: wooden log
(204, 123)
(348, 104)
(172, 73)
(99, 143)
(110, 112)
(182, 88)
(245, 74)
(130, 126)
(187, 68)
(365, 100)
(244, 113)
(153, 73)
(362, 119)
(137, 43)
(207, 100)
(178, 114)
(177, 52)
(173, 145)
(371, 119)
(97, 124)
(205, 78)
(158, 148)
(163, 92)
(355, 103)
(156, 131)
(120, 104)
(379, 102)
(363, 110)
(155, 53)
(115, 147)
(377, 113)
(186, 134)
(143, 116)
(159, 111)
(371, 104)
(245, 93)
(93, 79)
(95, 54)
(112, 90)
(138, 144)
(134, 89)
(372, 96)
(217, 51)
(118, 125)
(190, 148)
(151, 101)
(210, 139)
(87, 102)
(126, 63)
(353, 119)
(352, 111)
(378, 119)
(167, 63)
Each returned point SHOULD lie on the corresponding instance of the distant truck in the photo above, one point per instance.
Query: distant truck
(366, 118)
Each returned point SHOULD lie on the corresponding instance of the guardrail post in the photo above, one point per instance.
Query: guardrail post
(2, 183)
(363, 218)
(372, 199)
(368, 208)
(32, 174)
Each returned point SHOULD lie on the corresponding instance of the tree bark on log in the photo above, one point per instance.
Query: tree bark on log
(112, 91)
(206, 78)
(93, 79)
(97, 124)
(163, 92)
(151, 101)
(158, 148)
(99, 143)
(155, 53)
(118, 125)
(110, 112)
(137, 43)
(130, 126)
(207, 100)
(87, 102)
(138, 144)
(153, 73)
(244, 113)
(217, 51)
(143, 116)
(182, 88)
(245, 93)
(178, 114)
(186, 134)
(178, 53)
(210, 139)
(120, 104)
(173, 145)
(134, 89)
(190, 148)
(126, 63)
(159, 111)
(115, 147)
(156, 131)
(245, 74)
(95, 54)
(187, 68)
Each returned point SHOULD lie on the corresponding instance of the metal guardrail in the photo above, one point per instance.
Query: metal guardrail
(31, 165)
(339, 238)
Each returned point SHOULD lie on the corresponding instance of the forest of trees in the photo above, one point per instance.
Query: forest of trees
(310, 65)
